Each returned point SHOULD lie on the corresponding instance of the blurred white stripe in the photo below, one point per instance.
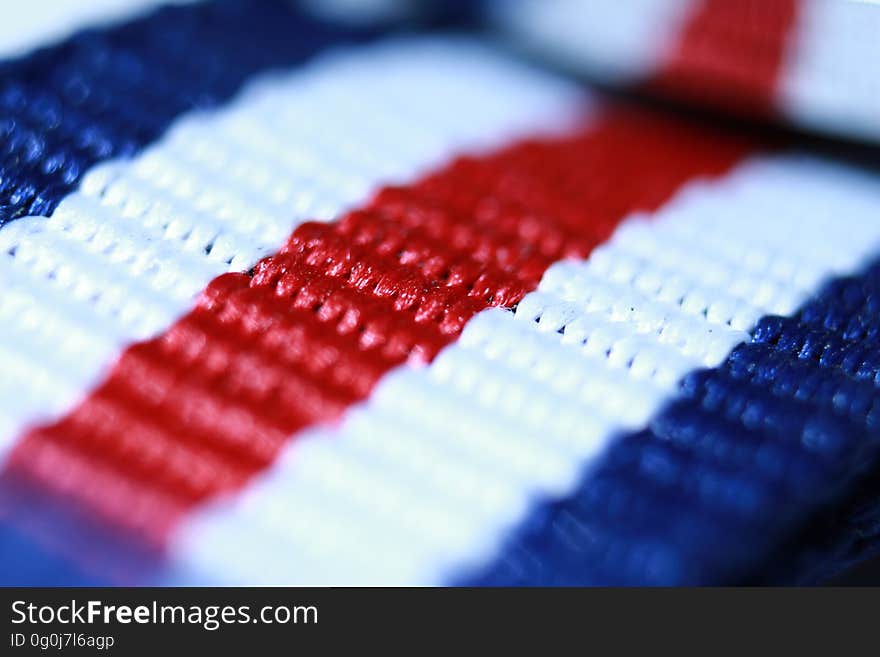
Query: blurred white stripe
(612, 41)
(831, 78)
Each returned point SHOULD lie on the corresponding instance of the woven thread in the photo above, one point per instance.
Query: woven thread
(128, 253)
(197, 411)
(442, 464)
(430, 474)
(107, 93)
(744, 453)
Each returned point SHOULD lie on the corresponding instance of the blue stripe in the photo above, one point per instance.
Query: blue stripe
(108, 93)
(26, 563)
(833, 543)
(732, 468)
(47, 541)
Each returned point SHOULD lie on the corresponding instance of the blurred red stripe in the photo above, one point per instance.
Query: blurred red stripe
(730, 55)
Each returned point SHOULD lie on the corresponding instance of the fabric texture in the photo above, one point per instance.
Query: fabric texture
(290, 299)
(108, 93)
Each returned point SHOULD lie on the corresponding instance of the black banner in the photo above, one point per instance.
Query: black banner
(284, 620)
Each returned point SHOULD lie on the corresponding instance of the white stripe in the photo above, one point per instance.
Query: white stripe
(830, 78)
(123, 257)
(25, 26)
(612, 41)
(432, 472)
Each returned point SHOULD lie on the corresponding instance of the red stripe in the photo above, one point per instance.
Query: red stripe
(730, 55)
(200, 409)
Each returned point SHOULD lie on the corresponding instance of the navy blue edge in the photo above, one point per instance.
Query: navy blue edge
(763, 470)
(107, 93)
(751, 474)
(836, 547)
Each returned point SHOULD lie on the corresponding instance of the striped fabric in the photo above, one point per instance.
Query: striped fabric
(807, 61)
(292, 300)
